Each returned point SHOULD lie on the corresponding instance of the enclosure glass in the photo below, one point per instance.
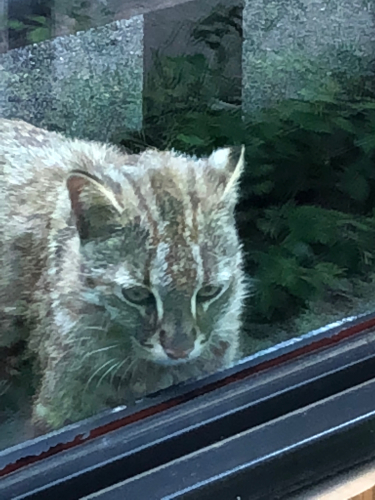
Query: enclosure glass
(288, 84)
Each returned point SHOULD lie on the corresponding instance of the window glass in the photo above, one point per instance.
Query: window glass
(236, 211)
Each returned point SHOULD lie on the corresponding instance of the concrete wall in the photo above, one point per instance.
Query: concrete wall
(292, 47)
(91, 83)
(87, 85)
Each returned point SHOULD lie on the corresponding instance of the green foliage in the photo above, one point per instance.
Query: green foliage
(221, 32)
(38, 28)
(35, 28)
(220, 22)
(304, 251)
(79, 11)
(310, 183)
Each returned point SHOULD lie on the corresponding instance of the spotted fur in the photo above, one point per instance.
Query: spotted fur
(127, 268)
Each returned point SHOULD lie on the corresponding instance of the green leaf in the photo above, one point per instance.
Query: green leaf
(366, 143)
(38, 35)
(262, 187)
(38, 19)
(311, 121)
(344, 124)
(355, 185)
(16, 25)
(191, 139)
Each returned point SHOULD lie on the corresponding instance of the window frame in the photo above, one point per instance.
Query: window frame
(324, 377)
(291, 453)
(308, 375)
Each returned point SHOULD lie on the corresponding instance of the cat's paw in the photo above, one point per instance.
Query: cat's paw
(42, 420)
(39, 428)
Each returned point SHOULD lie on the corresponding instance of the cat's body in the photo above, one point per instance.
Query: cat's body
(127, 269)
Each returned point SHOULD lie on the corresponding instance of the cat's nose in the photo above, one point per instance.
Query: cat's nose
(177, 353)
(173, 349)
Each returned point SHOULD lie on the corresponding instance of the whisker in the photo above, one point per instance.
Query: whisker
(101, 329)
(95, 328)
(128, 369)
(98, 370)
(102, 349)
(119, 366)
(106, 373)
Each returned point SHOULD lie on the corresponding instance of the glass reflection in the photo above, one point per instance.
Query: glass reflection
(143, 279)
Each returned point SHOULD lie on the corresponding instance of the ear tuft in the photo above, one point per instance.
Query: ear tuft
(229, 164)
(94, 205)
(219, 159)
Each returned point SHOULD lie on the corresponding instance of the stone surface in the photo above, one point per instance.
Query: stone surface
(88, 85)
(292, 48)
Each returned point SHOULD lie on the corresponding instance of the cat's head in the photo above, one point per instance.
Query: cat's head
(160, 250)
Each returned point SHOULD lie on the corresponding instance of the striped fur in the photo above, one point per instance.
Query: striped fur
(127, 268)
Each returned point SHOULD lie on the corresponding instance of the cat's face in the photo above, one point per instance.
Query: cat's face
(167, 269)
(172, 313)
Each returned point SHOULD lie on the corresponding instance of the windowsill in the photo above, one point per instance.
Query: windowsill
(356, 484)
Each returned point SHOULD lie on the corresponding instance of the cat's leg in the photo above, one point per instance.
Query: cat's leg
(68, 394)
(13, 303)
(76, 364)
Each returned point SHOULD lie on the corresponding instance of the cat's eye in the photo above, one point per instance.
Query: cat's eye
(208, 292)
(138, 295)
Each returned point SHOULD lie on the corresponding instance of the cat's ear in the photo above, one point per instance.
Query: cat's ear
(228, 164)
(94, 205)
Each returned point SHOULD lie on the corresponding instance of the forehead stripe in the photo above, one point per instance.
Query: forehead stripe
(152, 223)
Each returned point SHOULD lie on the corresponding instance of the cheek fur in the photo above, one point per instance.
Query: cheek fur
(207, 319)
(147, 325)
(122, 314)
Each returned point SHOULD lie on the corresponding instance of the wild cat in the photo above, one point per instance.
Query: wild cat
(126, 269)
